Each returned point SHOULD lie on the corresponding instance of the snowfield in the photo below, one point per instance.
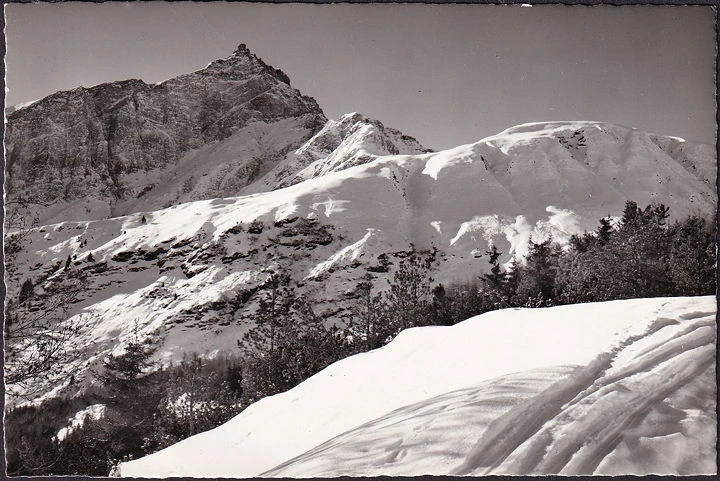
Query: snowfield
(604, 388)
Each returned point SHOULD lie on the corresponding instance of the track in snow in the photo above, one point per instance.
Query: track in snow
(612, 416)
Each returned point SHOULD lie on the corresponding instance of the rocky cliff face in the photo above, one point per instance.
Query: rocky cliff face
(77, 154)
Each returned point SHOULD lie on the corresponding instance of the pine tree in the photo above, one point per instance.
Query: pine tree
(265, 345)
(496, 277)
(408, 297)
(692, 259)
(368, 326)
(537, 277)
(26, 291)
(441, 307)
(512, 281)
(125, 372)
(316, 345)
(630, 213)
(495, 288)
(604, 231)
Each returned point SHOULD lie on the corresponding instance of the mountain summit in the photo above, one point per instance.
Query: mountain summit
(78, 154)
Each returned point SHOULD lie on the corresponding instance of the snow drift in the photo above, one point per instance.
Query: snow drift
(603, 388)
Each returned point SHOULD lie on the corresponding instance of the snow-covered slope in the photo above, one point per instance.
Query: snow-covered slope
(604, 388)
(187, 275)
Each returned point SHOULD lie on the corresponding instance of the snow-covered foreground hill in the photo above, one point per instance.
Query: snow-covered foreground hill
(604, 388)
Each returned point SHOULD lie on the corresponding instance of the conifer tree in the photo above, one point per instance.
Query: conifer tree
(537, 276)
(408, 297)
(692, 261)
(125, 373)
(441, 308)
(26, 291)
(496, 277)
(604, 231)
(630, 213)
(265, 345)
(369, 325)
(495, 288)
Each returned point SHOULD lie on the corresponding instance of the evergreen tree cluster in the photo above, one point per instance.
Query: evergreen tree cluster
(146, 409)
(643, 256)
(287, 344)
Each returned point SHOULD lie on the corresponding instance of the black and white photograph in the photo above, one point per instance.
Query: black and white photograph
(297, 240)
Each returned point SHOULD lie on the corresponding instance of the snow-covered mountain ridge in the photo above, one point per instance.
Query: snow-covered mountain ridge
(600, 388)
(576, 135)
(350, 141)
(179, 273)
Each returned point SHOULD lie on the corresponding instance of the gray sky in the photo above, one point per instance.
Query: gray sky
(446, 74)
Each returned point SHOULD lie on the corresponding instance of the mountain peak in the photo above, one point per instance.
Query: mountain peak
(116, 131)
(242, 63)
(242, 50)
(352, 140)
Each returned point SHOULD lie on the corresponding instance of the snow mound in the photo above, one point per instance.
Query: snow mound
(573, 389)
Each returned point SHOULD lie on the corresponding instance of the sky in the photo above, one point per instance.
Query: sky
(445, 74)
